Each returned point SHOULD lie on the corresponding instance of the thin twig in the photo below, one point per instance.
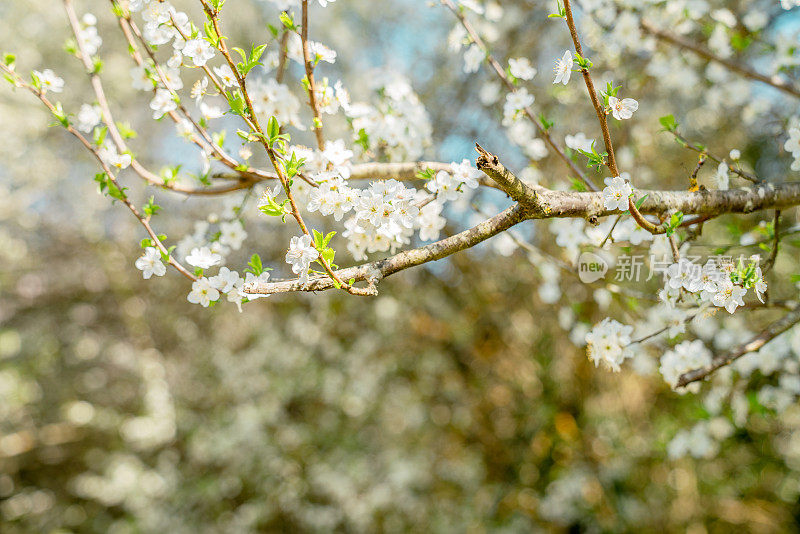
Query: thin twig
(746, 72)
(312, 89)
(144, 221)
(770, 262)
(768, 334)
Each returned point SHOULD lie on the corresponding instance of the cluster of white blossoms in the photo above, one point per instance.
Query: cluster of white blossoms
(273, 99)
(718, 283)
(88, 38)
(685, 356)
(607, 343)
(386, 213)
(702, 440)
(202, 252)
(397, 127)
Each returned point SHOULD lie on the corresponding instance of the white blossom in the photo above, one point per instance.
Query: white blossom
(622, 109)
(563, 68)
(203, 293)
(607, 343)
(521, 68)
(150, 263)
(199, 50)
(88, 117)
(684, 357)
(203, 258)
(49, 81)
(616, 193)
(473, 58)
(300, 255)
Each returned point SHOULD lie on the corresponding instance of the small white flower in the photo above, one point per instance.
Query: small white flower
(119, 161)
(516, 101)
(203, 293)
(563, 68)
(203, 257)
(90, 41)
(473, 58)
(226, 75)
(199, 50)
(686, 356)
(225, 281)
(162, 103)
(579, 141)
(622, 109)
(50, 81)
(150, 263)
(616, 193)
(721, 177)
(760, 286)
(521, 68)
(232, 234)
(443, 185)
(465, 172)
(300, 255)
(729, 296)
(88, 117)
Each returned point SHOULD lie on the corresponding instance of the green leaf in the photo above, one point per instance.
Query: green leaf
(150, 208)
(427, 174)
(363, 139)
(288, 21)
(546, 125)
(669, 123)
(273, 129)
(256, 267)
(100, 135)
(211, 33)
(126, 131)
(102, 181)
(272, 208)
(641, 201)
(318, 239)
(236, 102)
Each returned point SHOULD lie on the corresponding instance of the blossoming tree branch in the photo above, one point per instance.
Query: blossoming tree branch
(368, 199)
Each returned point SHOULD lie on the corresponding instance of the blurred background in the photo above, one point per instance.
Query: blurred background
(459, 400)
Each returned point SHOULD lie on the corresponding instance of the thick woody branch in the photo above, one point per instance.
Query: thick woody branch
(746, 72)
(745, 200)
(546, 204)
(771, 332)
(513, 186)
(540, 203)
(376, 270)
